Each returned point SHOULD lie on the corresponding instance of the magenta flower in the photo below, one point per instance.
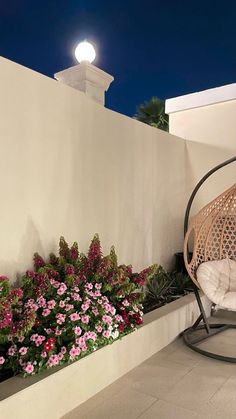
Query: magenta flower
(69, 270)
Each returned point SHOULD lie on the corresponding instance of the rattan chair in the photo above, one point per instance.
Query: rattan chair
(213, 233)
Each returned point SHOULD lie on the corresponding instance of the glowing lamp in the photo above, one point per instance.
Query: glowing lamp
(85, 52)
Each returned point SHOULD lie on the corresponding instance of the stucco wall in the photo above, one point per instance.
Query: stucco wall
(200, 158)
(70, 167)
(213, 125)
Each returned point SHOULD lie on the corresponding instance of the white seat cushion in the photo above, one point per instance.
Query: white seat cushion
(218, 281)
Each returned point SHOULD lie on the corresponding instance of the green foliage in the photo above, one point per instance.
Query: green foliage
(158, 285)
(163, 287)
(182, 283)
(152, 112)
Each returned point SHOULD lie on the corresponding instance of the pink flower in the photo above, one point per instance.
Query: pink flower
(63, 350)
(85, 319)
(57, 332)
(39, 340)
(33, 337)
(23, 350)
(62, 304)
(2, 360)
(51, 304)
(46, 312)
(41, 302)
(106, 333)
(74, 352)
(77, 330)
(29, 368)
(85, 306)
(76, 297)
(107, 319)
(98, 328)
(91, 335)
(62, 289)
(98, 286)
(54, 283)
(60, 356)
(44, 354)
(69, 307)
(60, 318)
(119, 318)
(95, 311)
(21, 338)
(81, 341)
(84, 348)
(89, 286)
(53, 360)
(97, 293)
(74, 317)
(48, 331)
(12, 351)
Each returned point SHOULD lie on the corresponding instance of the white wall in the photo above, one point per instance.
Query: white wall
(70, 167)
(212, 125)
(206, 120)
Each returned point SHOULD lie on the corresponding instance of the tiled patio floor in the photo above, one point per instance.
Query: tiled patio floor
(176, 383)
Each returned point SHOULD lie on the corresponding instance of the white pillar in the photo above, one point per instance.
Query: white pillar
(87, 78)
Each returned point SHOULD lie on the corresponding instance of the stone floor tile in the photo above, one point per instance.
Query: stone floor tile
(195, 389)
(126, 404)
(165, 410)
(225, 398)
(156, 380)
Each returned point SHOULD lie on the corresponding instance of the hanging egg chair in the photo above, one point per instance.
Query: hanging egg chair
(212, 264)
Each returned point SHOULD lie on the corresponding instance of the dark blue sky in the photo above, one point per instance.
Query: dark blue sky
(153, 48)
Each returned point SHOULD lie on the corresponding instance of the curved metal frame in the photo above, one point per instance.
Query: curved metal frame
(210, 329)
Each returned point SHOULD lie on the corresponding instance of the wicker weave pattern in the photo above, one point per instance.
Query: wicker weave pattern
(214, 232)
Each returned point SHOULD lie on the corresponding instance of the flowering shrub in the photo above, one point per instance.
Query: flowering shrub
(68, 307)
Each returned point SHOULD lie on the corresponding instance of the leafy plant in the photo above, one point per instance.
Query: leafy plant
(181, 283)
(158, 285)
(152, 112)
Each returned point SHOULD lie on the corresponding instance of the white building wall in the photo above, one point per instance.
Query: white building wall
(71, 167)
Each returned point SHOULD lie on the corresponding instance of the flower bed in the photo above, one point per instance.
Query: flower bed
(60, 390)
(67, 307)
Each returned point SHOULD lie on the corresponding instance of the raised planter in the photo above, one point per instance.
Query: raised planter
(53, 394)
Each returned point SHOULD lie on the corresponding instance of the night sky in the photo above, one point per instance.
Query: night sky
(152, 48)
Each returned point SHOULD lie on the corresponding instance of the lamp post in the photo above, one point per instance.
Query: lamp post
(85, 76)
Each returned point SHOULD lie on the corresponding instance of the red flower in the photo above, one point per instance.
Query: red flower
(121, 327)
(49, 344)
